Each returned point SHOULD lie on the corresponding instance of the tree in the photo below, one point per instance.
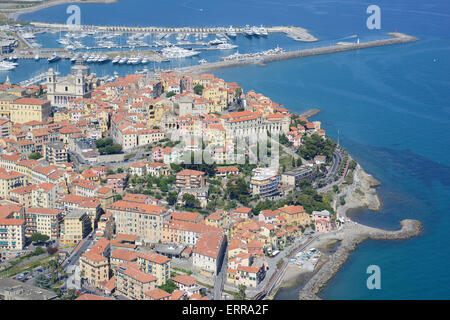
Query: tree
(198, 89)
(52, 250)
(352, 165)
(39, 237)
(169, 286)
(170, 94)
(241, 294)
(238, 189)
(35, 156)
(315, 145)
(172, 198)
(42, 281)
(190, 201)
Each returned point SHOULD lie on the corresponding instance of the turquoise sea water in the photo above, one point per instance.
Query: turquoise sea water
(390, 104)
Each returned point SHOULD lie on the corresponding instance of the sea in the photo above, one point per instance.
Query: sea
(388, 106)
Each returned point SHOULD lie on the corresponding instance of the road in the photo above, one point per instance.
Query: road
(221, 276)
(272, 278)
(70, 265)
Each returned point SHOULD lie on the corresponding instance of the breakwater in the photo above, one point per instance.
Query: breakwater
(397, 38)
(350, 237)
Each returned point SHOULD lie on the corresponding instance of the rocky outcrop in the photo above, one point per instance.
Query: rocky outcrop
(350, 237)
(360, 194)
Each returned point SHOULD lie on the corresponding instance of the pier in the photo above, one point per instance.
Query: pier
(296, 33)
(398, 38)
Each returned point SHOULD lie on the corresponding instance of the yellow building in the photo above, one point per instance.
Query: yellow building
(132, 282)
(10, 180)
(156, 265)
(94, 263)
(29, 109)
(76, 226)
(5, 104)
(295, 215)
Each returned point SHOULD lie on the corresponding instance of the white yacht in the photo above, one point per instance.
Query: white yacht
(226, 46)
(263, 31)
(54, 58)
(123, 60)
(202, 61)
(231, 32)
(215, 42)
(256, 31)
(6, 65)
(116, 59)
(177, 52)
(248, 31)
(28, 35)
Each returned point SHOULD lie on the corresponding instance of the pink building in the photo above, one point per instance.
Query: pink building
(117, 182)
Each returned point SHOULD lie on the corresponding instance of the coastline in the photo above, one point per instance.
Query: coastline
(349, 236)
(14, 15)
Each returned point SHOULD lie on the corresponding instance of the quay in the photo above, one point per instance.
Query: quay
(398, 38)
(296, 33)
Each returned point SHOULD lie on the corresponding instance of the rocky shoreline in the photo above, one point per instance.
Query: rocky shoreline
(360, 194)
(351, 237)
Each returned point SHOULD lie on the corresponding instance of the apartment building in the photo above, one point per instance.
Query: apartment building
(156, 265)
(132, 282)
(139, 219)
(23, 195)
(94, 263)
(265, 182)
(10, 180)
(43, 220)
(209, 252)
(76, 225)
(56, 153)
(45, 195)
(190, 179)
(12, 234)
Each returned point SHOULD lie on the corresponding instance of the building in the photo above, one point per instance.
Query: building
(132, 282)
(139, 219)
(156, 265)
(11, 289)
(209, 252)
(157, 294)
(43, 220)
(76, 225)
(12, 234)
(45, 195)
(94, 263)
(10, 180)
(186, 283)
(78, 84)
(190, 179)
(56, 153)
(295, 215)
(24, 110)
(265, 182)
(294, 176)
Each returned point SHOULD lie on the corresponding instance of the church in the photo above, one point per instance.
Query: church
(78, 84)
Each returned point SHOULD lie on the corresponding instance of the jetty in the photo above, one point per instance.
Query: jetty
(350, 237)
(294, 32)
(397, 38)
